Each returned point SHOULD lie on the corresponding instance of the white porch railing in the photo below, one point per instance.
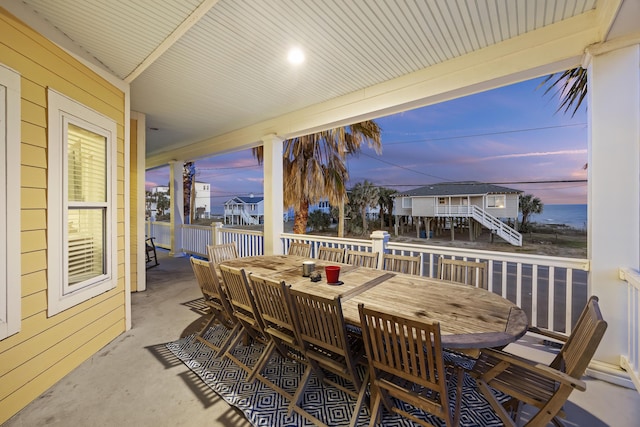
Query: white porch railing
(161, 231)
(631, 361)
(536, 283)
(248, 242)
(195, 239)
(551, 290)
(317, 241)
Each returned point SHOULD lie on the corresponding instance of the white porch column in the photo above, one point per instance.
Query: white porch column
(614, 190)
(273, 195)
(176, 206)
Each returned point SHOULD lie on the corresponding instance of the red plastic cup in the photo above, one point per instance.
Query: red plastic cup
(333, 273)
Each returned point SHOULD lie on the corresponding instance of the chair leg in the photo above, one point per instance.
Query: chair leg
(262, 361)
(361, 398)
(459, 381)
(375, 408)
(200, 335)
(497, 407)
(300, 390)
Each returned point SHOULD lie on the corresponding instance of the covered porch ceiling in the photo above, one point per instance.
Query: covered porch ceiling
(212, 76)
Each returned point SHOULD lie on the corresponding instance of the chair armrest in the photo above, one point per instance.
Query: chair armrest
(537, 368)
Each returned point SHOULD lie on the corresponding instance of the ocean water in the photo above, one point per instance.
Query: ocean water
(574, 216)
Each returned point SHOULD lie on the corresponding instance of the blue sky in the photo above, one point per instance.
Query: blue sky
(506, 135)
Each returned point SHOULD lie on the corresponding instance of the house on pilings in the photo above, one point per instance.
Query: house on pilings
(466, 206)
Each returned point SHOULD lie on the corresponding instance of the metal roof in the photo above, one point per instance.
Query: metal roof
(246, 200)
(212, 76)
(466, 188)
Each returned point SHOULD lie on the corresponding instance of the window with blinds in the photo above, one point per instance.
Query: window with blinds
(86, 204)
(81, 203)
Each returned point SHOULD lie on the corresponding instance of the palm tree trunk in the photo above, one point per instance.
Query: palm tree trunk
(341, 219)
(301, 217)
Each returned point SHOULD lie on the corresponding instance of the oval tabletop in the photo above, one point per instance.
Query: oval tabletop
(470, 318)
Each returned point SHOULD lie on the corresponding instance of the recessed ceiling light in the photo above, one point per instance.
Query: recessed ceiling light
(296, 56)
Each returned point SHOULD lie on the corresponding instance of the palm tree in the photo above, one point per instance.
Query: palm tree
(188, 173)
(385, 201)
(363, 196)
(529, 205)
(571, 86)
(315, 166)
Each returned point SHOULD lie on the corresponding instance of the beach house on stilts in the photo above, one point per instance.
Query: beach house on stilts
(469, 205)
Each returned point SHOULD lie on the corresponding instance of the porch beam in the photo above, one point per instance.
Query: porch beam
(191, 20)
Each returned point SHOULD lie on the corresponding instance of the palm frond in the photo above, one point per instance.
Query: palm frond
(570, 86)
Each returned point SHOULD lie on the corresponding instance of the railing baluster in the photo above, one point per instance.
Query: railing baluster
(533, 320)
(568, 306)
(552, 299)
(504, 279)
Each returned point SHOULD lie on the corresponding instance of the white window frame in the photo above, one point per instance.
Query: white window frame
(10, 268)
(406, 202)
(63, 110)
(492, 199)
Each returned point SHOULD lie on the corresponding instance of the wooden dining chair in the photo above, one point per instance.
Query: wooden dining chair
(222, 252)
(406, 363)
(406, 264)
(546, 388)
(220, 310)
(274, 307)
(327, 253)
(300, 249)
(466, 272)
(362, 258)
(151, 256)
(328, 345)
(246, 312)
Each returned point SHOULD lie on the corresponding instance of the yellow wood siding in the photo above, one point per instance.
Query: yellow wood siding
(48, 348)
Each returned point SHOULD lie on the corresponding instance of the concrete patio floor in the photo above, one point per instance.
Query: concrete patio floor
(135, 381)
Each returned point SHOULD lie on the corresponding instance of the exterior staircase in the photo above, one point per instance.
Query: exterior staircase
(486, 219)
(248, 219)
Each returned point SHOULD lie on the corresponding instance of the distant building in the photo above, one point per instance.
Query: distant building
(202, 205)
(468, 204)
(152, 206)
(240, 210)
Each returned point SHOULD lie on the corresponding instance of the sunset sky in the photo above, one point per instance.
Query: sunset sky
(507, 135)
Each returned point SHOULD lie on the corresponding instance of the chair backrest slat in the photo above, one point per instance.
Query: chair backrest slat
(406, 264)
(239, 294)
(272, 302)
(406, 349)
(320, 321)
(222, 252)
(362, 258)
(327, 253)
(467, 272)
(212, 291)
(300, 249)
(577, 352)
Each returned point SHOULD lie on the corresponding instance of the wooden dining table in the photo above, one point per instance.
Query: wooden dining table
(470, 318)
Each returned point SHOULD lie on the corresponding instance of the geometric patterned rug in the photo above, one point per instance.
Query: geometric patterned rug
(264, 407)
